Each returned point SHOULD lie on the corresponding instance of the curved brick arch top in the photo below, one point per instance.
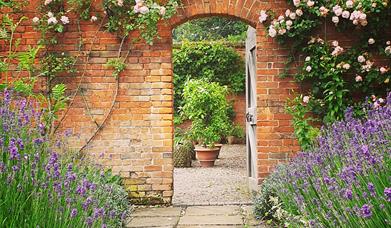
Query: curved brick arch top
(245, 10)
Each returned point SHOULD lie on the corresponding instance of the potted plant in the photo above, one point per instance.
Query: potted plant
(236, 133)
(205, 105)
(183, 149)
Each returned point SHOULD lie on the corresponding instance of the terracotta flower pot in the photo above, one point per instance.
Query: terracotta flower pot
(231, 140)
(206, 156)
(218, 145)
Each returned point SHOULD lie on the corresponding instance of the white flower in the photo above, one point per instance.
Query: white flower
(349, 4)
(306, 99)
(50, 14)
(289, 23)
(94, 18)
(263, 16)
(310, 3)
(287, 12)
(307, 58)
(388, 42)
(383, 70)
(363, 16)
(120, 3)
(281, 31)
(296, 3)
(364, 23)
(368, 65)
(345, 14)
(381, 100)
(335, 19)
(337, 10)
(64, 20)
(162, 11)
(35, 20)
(272, 32)
(308, 68)
(361, 59)
(52, 20)
(292, 16)
(371, 41)
(358, 78)
(144, 10)
(337, 50)
(346, 66)
(281, 18)
(335, 43)
(47, 2)
(299, 12)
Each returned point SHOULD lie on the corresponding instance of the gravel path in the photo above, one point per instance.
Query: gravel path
(226, 183)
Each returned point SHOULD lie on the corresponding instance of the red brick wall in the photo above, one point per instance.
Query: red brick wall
(137, 138)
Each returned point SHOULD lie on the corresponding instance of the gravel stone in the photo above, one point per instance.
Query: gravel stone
(224, 184)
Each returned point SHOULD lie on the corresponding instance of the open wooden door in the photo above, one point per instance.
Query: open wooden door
(251, 109)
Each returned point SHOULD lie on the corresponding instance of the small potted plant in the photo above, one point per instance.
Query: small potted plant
(205, 105)
(236, 134)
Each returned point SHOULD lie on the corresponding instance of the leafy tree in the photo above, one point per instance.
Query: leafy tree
(213, 62)
(211, 28)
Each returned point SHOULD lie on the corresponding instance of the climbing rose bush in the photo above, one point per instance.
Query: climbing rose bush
(38, 188)
(345, 180)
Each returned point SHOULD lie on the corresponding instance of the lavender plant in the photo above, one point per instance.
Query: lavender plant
(345, 181)
(39, 189)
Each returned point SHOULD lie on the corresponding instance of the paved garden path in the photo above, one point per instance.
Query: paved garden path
(226, 183)
(194, 216)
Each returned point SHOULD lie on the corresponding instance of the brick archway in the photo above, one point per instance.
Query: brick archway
(246, 10)
(137, 139)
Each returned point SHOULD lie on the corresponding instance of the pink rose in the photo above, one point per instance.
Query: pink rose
(335, 19)
(263, 16)
(306, 99)
(358, 78)
(361, 59)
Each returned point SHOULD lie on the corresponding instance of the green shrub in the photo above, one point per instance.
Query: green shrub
(210, 61)
(206, 106)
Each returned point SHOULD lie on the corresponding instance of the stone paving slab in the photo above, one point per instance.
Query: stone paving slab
(153, 212)
(210, 220)
(211, 226)
(141, 222)
(212, 210)
(194, 216)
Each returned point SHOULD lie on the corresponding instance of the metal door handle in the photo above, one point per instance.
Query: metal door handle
(249, 117)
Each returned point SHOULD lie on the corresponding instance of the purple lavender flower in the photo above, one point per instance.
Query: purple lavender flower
(13, 149)
(20, 144)
(89, 221)
(98, 212)
(371, 188)
(87, 203)
(387, 193)
(73, 212)
(348, 194)
(38, 141)
(15, 168)
(2, 167)
(365, 211)
(7, 97)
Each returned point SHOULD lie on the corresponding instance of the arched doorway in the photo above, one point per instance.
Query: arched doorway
(198, 53)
